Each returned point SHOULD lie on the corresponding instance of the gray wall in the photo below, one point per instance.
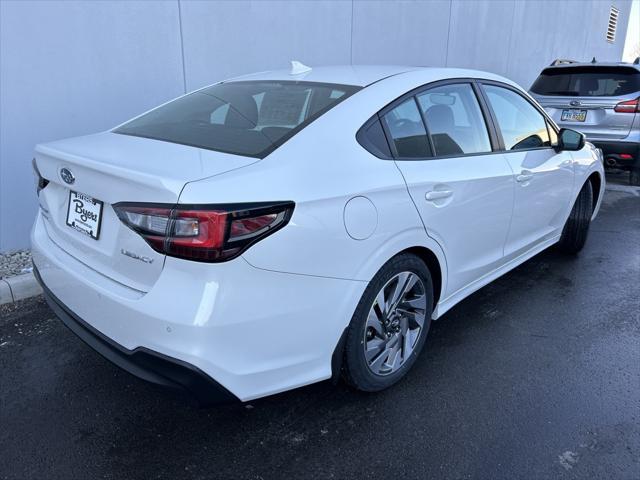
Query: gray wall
(71, 68)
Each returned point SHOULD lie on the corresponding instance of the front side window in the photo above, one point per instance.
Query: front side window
(407, 131)
(454, 120)
(553, 136)
(521, 124)
(249, 118)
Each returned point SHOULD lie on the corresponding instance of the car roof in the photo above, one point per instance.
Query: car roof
(593, 65)
(363, 75)
(359, 75)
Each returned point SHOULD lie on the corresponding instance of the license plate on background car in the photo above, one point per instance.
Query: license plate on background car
(84, 214)
(573, 115)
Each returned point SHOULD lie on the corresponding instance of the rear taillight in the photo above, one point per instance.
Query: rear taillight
(207, 233)
(630, 106)
(41, 182)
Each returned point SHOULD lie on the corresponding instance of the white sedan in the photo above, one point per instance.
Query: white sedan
(287, 227)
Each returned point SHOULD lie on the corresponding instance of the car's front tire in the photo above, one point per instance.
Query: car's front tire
(390, 324)
(574, 233)
(634, 177)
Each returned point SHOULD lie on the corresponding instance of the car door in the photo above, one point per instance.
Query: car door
(461, 188)
(544, 176)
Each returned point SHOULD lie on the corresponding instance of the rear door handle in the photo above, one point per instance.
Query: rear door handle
(438, 194)
(524, 176)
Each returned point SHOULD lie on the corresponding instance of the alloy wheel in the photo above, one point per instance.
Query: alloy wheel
(394, 323)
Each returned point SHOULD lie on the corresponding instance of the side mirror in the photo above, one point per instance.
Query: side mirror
(570, 140)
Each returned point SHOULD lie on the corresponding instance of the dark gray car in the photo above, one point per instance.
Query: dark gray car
(602, 100)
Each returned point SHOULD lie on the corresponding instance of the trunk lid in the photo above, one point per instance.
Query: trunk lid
(601, 121)
(115, 168)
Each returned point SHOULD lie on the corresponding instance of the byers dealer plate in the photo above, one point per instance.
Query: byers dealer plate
(84, 214)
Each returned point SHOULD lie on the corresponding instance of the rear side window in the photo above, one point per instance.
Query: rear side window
(454, 120)
(521, 124)
(371, 136)
(407, 131)
(248, 118)
(587, 81)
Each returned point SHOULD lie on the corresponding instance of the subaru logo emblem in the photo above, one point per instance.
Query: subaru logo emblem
(574, 103)
(67, 176)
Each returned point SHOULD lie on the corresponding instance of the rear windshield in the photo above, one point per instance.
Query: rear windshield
(587, 81)
(248, 118)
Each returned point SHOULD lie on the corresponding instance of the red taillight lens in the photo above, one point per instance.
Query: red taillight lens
(210, 233)
(198, 235)
(243, 227)
(630, 106)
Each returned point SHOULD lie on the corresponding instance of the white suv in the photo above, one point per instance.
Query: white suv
(282, 228)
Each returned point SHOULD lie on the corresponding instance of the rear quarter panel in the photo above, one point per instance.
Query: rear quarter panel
(321, 180)
(321, 169)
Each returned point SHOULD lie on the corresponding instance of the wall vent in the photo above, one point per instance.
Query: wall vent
(613, 24)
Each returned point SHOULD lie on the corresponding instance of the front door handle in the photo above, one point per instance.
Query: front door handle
(438, 194)
(524, 176)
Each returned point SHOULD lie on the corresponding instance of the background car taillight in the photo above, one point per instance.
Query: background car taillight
(207, 233)
(630, 106)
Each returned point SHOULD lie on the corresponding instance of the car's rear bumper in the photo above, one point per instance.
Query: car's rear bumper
(252, 331)
(615, 153)
(143, 363)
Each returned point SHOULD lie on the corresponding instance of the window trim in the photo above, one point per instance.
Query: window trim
(432, 145)
(549, 122)
(494, 139)
(495, 135)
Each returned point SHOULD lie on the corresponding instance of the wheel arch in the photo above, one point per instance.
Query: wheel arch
(416, 241)
(433, 264)
(596, 186)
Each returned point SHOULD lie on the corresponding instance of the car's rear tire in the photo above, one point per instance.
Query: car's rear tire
(634, 177)
(574, 233)
(390, 324)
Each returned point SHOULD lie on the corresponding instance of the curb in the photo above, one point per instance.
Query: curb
(19, 287)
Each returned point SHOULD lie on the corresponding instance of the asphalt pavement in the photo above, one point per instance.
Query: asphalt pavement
(536, 376)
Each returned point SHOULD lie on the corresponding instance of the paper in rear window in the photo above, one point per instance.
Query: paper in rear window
(249, 118)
